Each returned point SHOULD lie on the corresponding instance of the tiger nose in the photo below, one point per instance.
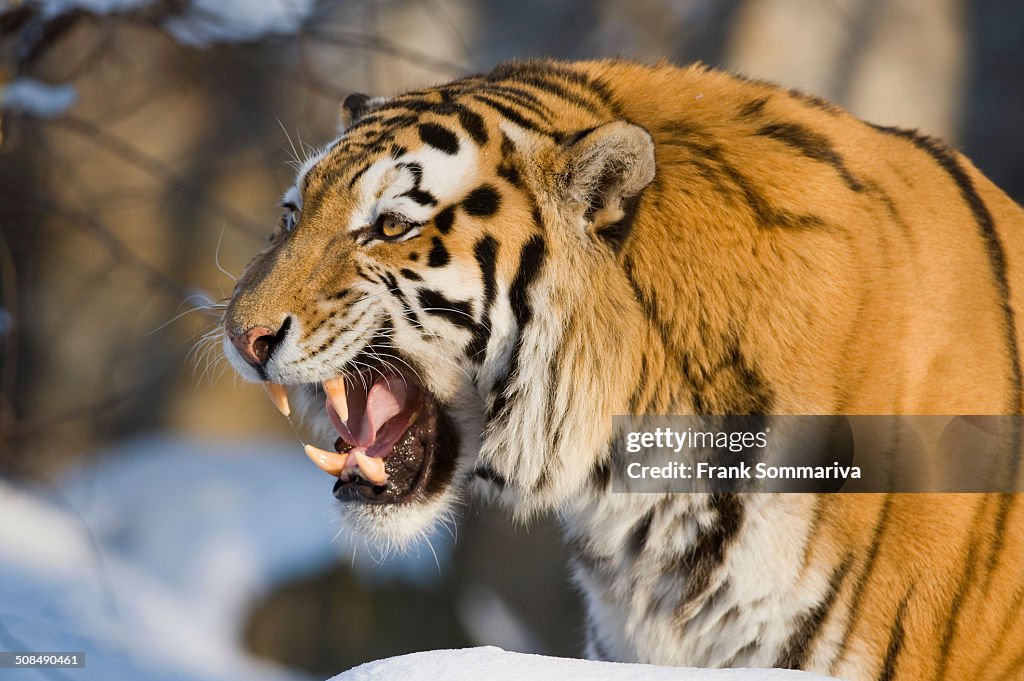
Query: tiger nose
(257, 344)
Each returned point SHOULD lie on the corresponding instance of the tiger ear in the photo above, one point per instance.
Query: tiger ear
(606, 169)
(355, 106)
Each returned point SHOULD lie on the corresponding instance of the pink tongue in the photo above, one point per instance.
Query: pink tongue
(367, 412)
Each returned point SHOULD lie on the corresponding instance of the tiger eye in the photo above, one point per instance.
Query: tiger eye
(392, 227)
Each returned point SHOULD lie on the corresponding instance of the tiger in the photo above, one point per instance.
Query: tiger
(472, 279)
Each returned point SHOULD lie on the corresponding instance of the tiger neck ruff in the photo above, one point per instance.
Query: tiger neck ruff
(479, 275)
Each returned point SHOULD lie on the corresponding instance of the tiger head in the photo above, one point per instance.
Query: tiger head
(442, 297)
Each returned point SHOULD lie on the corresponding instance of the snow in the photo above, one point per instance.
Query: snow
(209, 21)
(499, 665)
(200, 23)
(31, 96)
(53, 8)
(149, 558)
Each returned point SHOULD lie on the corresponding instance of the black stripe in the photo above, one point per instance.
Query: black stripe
(639, 387)
(997, 255)
(482, 202)
(538, 220)
(517, 96)
(509, 91)
(539, 74)
(473, 124)
(416, 169)
(438, 256)
(408, 102)
(706, 555)
(896, 635)
(398, 121)
(486, 253)
(798, 647)
(1005, 502)
(497, 94)
(753, 108)
(997, 264)
(636, 542)
(392, 283)
(766, 214)
(538, 80)
(458, 312)
(439, 137)
(367, 275)
(814, 146)
(814, 101)
(443, 220)
(488, 474)
(531, 260)
(862, 579)
(967, 580)
(711, 163)
(359, 173)
(507, 168)
(1010, 621)
(512, 115)
(554, 419)
(422, 197)
(510, 173)
(318, 325)
(574, 138)
(649, 306)
(600, 475)
(410, 275)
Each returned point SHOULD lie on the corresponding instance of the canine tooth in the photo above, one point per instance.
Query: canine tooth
(335, 389)
(331, 463)
(279, 396)
(371, 467)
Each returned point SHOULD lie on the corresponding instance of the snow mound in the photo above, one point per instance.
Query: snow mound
(495, 664)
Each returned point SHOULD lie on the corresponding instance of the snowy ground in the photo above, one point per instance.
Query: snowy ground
(466, 665)
(149, 558)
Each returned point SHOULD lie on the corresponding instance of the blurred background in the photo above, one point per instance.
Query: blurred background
(158, 513)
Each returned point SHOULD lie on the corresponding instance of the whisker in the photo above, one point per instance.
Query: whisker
(208, 305)
(216, 255)
(295, 153)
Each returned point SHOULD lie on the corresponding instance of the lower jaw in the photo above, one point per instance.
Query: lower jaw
(420, 466)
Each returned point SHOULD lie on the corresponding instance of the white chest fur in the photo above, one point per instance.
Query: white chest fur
(694, 579)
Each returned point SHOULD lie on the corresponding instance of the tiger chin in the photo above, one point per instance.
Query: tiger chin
(472, 279)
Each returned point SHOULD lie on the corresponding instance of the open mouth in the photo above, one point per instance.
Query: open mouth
(394, 440)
